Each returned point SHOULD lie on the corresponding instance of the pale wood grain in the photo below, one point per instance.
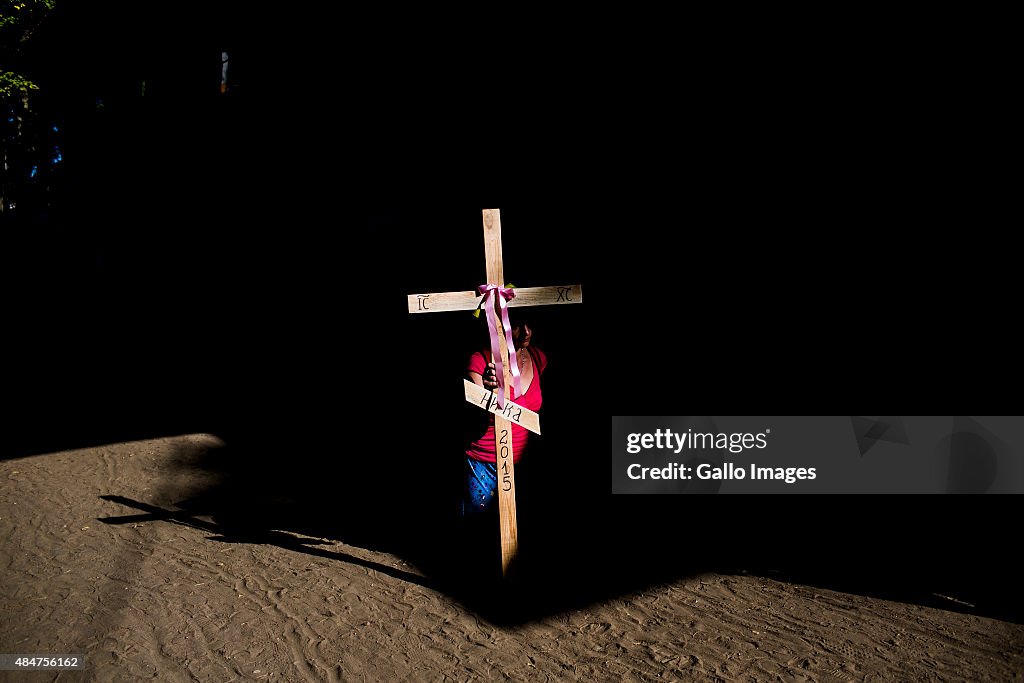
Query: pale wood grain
(504, 459)
(467, 301)
(515, 413)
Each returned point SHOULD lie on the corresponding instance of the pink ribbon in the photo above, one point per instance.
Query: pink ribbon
(505, 294)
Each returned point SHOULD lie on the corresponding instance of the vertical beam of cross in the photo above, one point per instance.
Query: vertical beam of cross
(504, 461)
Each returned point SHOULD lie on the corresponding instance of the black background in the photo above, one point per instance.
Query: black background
(778, 235)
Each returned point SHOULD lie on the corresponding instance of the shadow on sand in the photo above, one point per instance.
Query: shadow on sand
(574, 552)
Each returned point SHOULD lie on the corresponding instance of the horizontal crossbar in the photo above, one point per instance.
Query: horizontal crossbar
(467, 301)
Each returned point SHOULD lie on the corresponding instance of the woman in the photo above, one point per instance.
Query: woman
(481, 491)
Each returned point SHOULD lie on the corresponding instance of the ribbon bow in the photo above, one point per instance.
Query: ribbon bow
(505, 294)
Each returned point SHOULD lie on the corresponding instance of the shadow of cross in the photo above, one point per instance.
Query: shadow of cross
(261, 536)
(493, 301)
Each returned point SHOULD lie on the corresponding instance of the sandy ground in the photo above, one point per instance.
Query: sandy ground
(159, 596)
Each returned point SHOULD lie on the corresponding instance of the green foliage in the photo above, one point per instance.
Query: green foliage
(18, 20)
(12, 85)
(23, 15)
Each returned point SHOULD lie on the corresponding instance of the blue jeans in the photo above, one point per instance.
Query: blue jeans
(481, 493)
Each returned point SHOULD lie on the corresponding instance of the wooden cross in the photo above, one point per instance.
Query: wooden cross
(504, 416)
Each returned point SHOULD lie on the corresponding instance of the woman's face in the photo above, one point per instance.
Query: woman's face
(521, 333)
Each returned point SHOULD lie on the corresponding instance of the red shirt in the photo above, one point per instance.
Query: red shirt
(483, 448)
